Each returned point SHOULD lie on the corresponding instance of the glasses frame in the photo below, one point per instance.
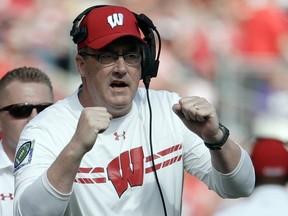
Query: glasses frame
(24, 110)
(115, 57)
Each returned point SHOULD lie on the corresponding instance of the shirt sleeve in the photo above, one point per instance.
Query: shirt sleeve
(41, 188)
(239, 183)
(197, 162)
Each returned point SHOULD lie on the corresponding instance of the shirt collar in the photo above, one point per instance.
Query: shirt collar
(5, 162)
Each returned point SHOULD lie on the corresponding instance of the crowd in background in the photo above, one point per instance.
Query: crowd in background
(234, 53)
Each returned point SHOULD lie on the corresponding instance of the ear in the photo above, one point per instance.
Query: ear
(80, 63)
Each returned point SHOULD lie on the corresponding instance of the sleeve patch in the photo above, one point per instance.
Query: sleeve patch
(24, 155)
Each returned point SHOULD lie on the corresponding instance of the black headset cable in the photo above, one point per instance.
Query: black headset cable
(152, 153)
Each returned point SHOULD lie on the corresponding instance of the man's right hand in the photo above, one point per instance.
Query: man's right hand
(93, 120)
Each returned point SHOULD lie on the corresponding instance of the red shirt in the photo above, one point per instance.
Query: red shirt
(260, 33)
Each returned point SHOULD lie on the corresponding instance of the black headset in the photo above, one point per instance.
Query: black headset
(150, 61)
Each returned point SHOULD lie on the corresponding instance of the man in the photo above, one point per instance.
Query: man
(270, 197)
(100, 152)
(24, 92)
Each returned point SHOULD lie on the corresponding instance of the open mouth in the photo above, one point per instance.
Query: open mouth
(118, 84)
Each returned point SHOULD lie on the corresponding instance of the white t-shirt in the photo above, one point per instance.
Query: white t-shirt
(6, 184)
(115, 177)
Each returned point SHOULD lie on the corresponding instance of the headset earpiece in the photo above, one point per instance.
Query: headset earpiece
(150, 61)
(146, 61)
(78, 33)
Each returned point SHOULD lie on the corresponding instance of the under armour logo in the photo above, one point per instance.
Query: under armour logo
(117, 136)
(115, 19)
(3, 197)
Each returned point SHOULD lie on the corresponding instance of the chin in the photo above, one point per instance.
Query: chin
(121, 101)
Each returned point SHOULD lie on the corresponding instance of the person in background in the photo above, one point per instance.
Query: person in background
(270, 197)
(114, 148)
(24, 92)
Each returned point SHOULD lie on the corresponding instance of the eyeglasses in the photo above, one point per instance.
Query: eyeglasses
(131, 59)
(24, 110)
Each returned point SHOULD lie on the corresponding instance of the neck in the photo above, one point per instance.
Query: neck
(116, 112)
(10, 152)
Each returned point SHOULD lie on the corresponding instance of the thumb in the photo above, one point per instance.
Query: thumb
(177, 110)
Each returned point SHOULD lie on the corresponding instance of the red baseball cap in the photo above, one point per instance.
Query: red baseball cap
(270, 157)
(107, 23)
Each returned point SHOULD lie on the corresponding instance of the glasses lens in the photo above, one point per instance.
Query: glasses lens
(21, 111)
(107, 58)
(41, 107)
(132, 58)
(24, 110)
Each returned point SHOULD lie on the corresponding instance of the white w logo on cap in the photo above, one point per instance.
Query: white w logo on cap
(115, 19)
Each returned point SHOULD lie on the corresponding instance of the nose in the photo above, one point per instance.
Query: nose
(120, 65)
(33, 113)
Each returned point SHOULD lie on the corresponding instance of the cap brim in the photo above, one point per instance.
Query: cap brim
(102, 42)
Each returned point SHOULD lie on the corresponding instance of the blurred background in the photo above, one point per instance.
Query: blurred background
(234, 53)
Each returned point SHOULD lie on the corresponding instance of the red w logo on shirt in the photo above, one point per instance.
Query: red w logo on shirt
(133, 176)
(128, 168)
